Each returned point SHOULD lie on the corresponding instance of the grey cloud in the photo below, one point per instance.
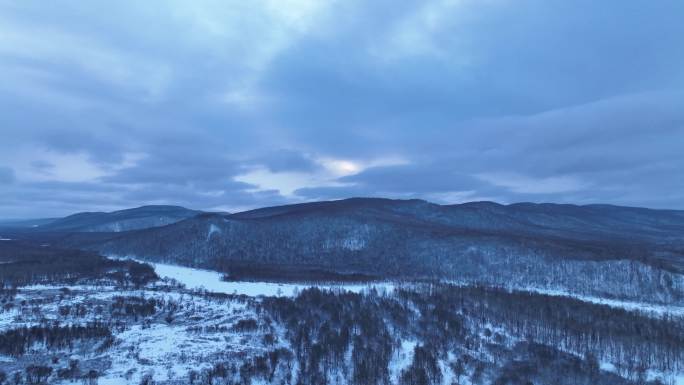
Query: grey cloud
(42, 166)
(585, 91)
(427, 181)
(7, 175)
(181, 168)
(288, 160)
(526, 58)
(435, 177)
(615, 133)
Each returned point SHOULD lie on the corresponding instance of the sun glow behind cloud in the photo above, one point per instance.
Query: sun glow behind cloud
(324, 176)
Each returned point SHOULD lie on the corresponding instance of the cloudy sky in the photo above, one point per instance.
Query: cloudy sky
(231, 105)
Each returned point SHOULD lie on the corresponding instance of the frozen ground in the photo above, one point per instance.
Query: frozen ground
(193, 330)
(677, 379)
(189, 331)
(211, 280)
(402, 358)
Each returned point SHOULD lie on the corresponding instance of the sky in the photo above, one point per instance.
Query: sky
(231, 105)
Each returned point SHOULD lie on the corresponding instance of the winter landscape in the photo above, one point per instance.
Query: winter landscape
(342, 192)
(116, 307)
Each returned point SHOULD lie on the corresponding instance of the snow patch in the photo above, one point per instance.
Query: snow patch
(651, 375)
(213, 229)
(402, 358)
(212, 281)
(353, 243)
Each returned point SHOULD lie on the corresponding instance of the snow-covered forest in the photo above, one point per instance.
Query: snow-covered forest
(129, 326)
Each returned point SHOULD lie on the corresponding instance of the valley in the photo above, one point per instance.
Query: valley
(74, 310)
(324, 192)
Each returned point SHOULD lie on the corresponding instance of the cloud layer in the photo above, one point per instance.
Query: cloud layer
(232, 105)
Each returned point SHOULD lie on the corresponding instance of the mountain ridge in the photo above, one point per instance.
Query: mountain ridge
(588, 249)
(120, 220)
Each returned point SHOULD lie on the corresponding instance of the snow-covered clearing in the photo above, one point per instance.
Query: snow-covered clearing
(191, 332)
(401, 358)
(651, 375)
(213, 229)
(212, 281)
(643, 307)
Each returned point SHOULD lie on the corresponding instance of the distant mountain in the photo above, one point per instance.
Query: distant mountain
(595, 249)
(25, 223)
(117, 221)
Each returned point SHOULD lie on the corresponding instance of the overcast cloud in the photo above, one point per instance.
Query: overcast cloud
(232, 105)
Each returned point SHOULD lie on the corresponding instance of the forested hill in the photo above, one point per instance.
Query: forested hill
(596, 249)
(117, 221)
(564, 220)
